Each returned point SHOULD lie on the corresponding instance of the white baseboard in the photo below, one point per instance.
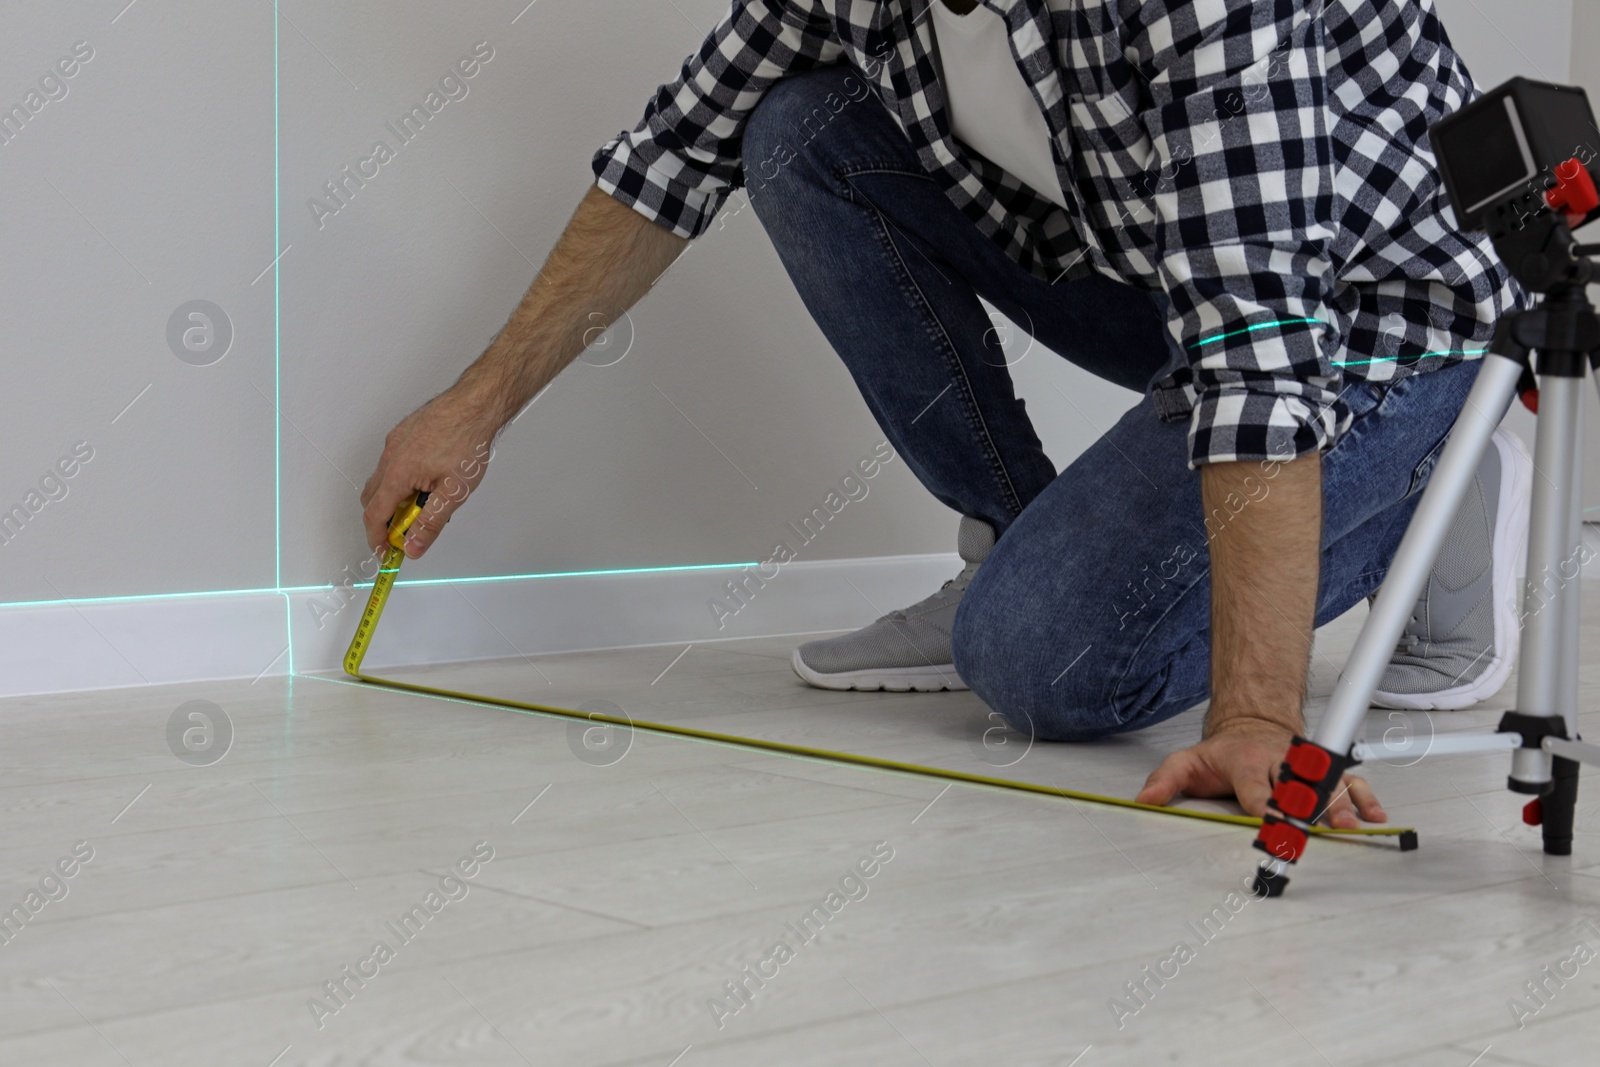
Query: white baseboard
(61, 647)
(64, 647)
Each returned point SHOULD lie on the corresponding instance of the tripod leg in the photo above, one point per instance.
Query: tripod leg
(1312, 770)
(1552, 579)
(1571, 610)
(1557, 807)
(1480, 415)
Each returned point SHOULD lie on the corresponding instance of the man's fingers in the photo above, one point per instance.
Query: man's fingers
(1365, 800)
(1158, 789)
(1166, 781)
(1341, 812)
(376, 519)
(427, 527)
(417, 542)
(1353, 802)
(431, 449)
(448, 494)
(380, 509)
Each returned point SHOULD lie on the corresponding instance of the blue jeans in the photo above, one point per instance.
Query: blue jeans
(1091, 616)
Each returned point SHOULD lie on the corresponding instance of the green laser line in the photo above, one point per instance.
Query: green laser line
(270, 590)
(1337, 362)
(1257, 326)
(135, 597)
(561, 574)
(1424, 355)
(277, 324)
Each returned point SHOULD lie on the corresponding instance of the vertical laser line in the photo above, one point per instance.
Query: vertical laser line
(277, 325)
(277, 353)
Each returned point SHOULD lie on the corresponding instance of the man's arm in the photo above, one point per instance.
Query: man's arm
(655, 188)
(1264, 571)
(606, 259)
(1249, 275)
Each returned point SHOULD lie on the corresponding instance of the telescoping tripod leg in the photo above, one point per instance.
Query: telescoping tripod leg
(1547, 676)
(1313, 769)
(1555, 811)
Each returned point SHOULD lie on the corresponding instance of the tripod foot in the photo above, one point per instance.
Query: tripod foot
(1306, 780)
(1557, 806)
(1268, 884)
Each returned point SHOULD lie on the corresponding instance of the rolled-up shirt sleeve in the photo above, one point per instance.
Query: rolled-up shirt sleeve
(1246, 221)
(679, 164)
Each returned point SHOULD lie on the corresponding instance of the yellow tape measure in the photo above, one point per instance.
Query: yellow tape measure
(393, 556)
(407, 512)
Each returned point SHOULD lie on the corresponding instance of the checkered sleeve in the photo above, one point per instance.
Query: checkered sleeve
(1239, 120)
(679, 164)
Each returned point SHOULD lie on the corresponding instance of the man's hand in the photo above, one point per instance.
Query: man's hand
(1241, 760)
(607, 258)
(1264, 525)
(442, 447)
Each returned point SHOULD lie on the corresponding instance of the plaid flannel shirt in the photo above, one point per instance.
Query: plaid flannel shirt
(1265, 163)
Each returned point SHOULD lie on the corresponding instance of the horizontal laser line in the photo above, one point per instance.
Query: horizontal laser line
(1424, 355)
(274, 591)
(1257, 326)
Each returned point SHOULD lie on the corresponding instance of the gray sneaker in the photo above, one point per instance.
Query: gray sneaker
(1461, 642)
(905, 651)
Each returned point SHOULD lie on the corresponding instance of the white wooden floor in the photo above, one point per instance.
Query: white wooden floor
(221, 898)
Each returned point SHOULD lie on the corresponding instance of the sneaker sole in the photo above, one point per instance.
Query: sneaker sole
(1510, 542)
(931, 679)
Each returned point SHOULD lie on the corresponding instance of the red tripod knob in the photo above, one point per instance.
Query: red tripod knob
(1574, 195)
(1533, 812)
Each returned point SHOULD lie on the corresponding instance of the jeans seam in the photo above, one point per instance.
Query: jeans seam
(844, 172)
(1368, 577)
(1422, 473)
(941, 338)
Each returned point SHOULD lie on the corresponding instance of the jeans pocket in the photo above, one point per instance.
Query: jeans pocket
(1420, 397)
(1363, 398)
(1424, 468)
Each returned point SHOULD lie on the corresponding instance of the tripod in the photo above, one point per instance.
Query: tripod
(1535, 242)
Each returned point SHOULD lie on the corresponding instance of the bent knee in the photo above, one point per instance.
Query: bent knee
(1045, 689)
(1056, 682)
(783, 127)
(814, 127)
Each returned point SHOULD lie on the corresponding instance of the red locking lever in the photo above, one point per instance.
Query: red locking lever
(1574, 195)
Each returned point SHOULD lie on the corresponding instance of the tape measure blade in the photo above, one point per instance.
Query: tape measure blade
(385, 580)
(368, 623)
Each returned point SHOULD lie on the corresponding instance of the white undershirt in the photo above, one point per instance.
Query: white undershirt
(989, 103)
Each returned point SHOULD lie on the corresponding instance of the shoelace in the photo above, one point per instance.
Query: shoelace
(1410, 639)
(958, 584)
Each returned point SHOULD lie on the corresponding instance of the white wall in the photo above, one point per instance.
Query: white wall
(1544, 40)
(1500, 39)
(1585, 71)
(165, 145)
(151, 184)
(148, 184)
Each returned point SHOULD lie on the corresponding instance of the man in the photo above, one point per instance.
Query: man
(1230, 207)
